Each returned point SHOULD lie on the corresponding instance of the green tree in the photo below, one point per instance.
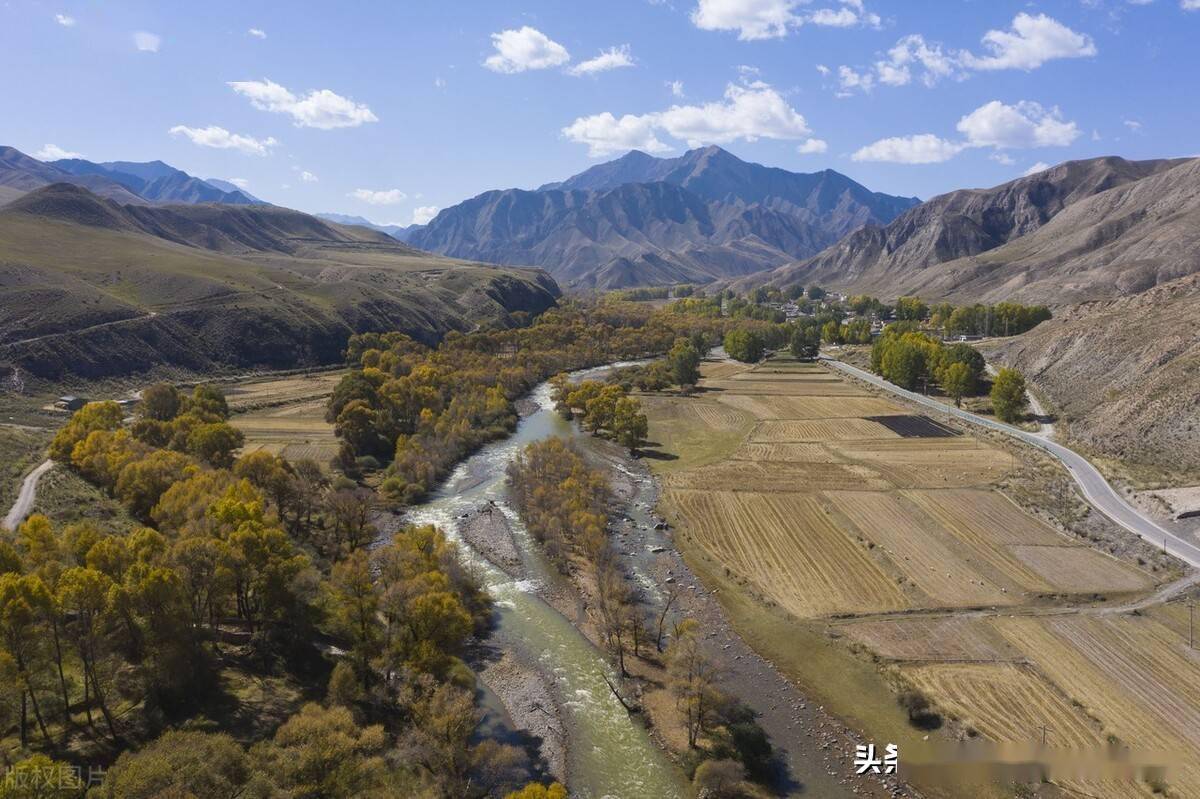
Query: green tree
(93, 416)
(629, 423)
(211, 765)
(957, 381)
(744, 345)
(206, 402)
(805, 344)
(684, 363)
(215, 443)
(831, 333)
(536, 790)
(1008, 395)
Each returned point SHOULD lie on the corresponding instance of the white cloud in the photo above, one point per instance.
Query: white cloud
(1133, 124)
(221, 139)
(1024, 124)
(923, 148)
(995, 125)
(1031, 42)
(772, 19)
(1190, 5)
(308, 177)
(64, 20)
(812, 146)
(605, 134)
(241, 183)
(439, 83)
(320, 109)
(749, 111)
(676, 87)
(521, 49)
(1002, 158)
(849, 79)
(752, 19)
(52, 152)
(257, 33)
(422, 214)
(612, 58)
(147, 42)
(824, 70)
(381, 197)
(1040, 166)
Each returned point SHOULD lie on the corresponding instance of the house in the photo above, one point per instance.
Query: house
(70, 403)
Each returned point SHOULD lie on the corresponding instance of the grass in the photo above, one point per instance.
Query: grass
(21, 449)
(66, 498)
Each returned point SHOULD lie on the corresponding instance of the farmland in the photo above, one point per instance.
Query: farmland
(285, 415)
(824, 508)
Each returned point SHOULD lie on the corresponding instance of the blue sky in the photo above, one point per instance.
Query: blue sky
(390, 109)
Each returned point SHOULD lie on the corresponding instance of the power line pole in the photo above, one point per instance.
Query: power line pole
(1191, 624)
(1045, 729)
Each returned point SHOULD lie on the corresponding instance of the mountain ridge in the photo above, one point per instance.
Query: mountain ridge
(981, 244)
(703, 216)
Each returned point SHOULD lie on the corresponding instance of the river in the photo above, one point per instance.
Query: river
(610, 753)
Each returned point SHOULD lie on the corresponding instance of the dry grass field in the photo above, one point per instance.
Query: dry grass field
(286, 415)
(813, 496)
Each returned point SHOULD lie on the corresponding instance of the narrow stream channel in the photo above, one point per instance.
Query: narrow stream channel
(610, 754)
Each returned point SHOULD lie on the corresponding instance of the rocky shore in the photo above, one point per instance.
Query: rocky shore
(530, 700)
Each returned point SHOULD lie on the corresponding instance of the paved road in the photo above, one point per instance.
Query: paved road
(1095, 488)
(28, 493)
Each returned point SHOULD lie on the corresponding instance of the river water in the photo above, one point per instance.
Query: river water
(610, 754)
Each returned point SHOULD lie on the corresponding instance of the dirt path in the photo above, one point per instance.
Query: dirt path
(27, 495)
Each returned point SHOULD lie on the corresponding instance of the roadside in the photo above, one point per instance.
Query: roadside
(1090, 481)
(26, 496)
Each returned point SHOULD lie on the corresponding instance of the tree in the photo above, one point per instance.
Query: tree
(816, 293)
(322, 752)
(957, 381)
(629, 424)
(160, 402)
(805, 344)
(211, 764)
(1008, 395)
(215, 443)
(684, 363)
(142, 482)
(692, 678)
(831, 333)
(83, 595)
(206, 402)
(357, 612)
(93, 416)
(911, 309)
(744, 345)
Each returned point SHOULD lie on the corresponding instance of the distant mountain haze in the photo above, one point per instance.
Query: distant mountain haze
(398, 232)
(1078, 231)
(642, 220)
(125, 182)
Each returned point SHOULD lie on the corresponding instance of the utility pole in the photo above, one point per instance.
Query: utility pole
(1191, 624)
(1045, 729)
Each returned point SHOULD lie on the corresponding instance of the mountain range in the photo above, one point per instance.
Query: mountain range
(642, 220)
(398, 232)
(125, 182)
(1079, 231)
(90, 287)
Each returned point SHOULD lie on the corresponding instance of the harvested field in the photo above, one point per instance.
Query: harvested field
(293, 431)
(942, 638)
(1005, 702)
(795, 452)
(777, 385)
(789, 548)
(1080, 569)
(930, 463)
(716, 370)
(781, 407)
(820, 430)
(280, 391)
(732, 475)
(920, 548)
(984, 515)
(1131, 672)
(719, 417)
